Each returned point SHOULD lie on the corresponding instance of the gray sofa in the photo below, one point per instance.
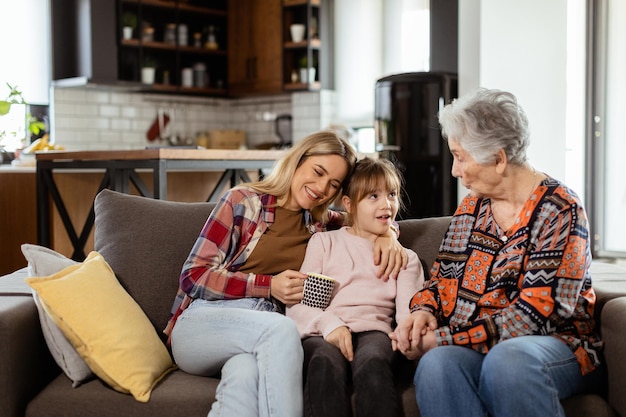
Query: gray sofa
(146, 241)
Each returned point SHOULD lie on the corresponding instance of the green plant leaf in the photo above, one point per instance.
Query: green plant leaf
(5, 106)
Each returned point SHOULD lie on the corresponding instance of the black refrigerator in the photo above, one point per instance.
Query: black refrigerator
(408, 133)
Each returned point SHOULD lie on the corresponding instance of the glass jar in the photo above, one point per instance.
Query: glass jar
(147, 35)
(182, 35)
(200, 76)
(197, 39)
(211, 40)
(170, 34)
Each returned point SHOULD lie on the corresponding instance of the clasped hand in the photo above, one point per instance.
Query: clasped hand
(415, 335)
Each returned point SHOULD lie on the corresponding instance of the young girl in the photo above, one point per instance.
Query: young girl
(348, 342)
(243, 269)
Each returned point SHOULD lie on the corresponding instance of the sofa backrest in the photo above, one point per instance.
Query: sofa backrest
(424, 236)
(146, 242)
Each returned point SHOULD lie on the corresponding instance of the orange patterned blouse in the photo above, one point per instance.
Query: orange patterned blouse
(488, 285)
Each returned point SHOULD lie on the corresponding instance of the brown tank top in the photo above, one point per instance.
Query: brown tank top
(281, 247)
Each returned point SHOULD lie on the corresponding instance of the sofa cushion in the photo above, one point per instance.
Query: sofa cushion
(105, 325)
(146, 242)
(178, 394)
(43, 261)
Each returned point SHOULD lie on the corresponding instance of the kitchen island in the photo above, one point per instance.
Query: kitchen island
(67, 183)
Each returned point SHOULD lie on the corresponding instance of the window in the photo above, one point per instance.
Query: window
(374, 39)
(25, 46)
(607, 137)
(25, 64)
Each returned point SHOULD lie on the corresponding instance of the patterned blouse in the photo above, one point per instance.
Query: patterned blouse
(488, 286)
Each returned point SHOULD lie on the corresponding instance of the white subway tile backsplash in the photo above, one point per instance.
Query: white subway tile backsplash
(109, 111)
(120, 124)
(84, 118)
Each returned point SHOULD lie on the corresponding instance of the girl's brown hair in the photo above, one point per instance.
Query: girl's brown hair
(368, 176)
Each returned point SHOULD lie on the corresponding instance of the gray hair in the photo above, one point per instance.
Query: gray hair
(485, 121)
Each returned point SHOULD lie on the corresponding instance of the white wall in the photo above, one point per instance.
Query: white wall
(25, 48)
(521, 47)
(373, 39)
(358, 59)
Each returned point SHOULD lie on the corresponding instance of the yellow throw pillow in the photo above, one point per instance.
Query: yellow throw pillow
(105, 325)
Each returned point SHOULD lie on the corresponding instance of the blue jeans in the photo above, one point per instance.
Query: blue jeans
(257, 351)
(524, 376)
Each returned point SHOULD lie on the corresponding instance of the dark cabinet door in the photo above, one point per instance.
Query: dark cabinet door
(254, 50)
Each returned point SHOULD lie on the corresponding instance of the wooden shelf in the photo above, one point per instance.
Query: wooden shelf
(308, 53)
(170, 58)
(288, 3)
(314, 44)
(137, 43)
(171, 4)
(170, 88)
(303, 86)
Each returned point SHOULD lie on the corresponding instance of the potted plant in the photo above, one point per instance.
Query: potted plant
(148, 70)
(14, 97)
(307, 73)
(129, 23)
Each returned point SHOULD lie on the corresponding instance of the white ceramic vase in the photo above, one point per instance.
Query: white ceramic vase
(127, 32)
(147, 75)
(307, 75)
(297, 32)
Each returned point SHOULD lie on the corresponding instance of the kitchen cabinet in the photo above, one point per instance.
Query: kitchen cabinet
(185, 41)
(254, 47)
(18, 205)
(307, 62)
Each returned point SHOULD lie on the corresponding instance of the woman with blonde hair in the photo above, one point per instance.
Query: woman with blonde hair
(243, 270)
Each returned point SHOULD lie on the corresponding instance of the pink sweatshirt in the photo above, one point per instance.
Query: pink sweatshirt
(360, 301)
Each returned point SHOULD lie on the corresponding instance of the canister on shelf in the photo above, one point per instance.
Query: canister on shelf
(200, 76)
(187, 77)
(170, 34)
(147, 34)
(182, 35)
(197, 40)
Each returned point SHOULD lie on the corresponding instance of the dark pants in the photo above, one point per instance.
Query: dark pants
(330, 379)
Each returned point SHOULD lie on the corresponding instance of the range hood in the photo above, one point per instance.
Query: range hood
(84, 49)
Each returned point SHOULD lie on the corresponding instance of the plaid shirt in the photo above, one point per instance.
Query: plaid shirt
(227, 239)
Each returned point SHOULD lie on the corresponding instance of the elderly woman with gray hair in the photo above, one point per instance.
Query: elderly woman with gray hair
(505, 325)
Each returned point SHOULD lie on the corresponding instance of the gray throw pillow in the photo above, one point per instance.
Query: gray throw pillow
(43, 262)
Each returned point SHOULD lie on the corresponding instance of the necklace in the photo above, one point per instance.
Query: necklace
(504, 237)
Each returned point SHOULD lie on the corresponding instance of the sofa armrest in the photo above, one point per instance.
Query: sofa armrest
(27, 365)
(613, 323)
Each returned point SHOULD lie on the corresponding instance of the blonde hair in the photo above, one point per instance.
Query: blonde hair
(278, 182)
(368, 176)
